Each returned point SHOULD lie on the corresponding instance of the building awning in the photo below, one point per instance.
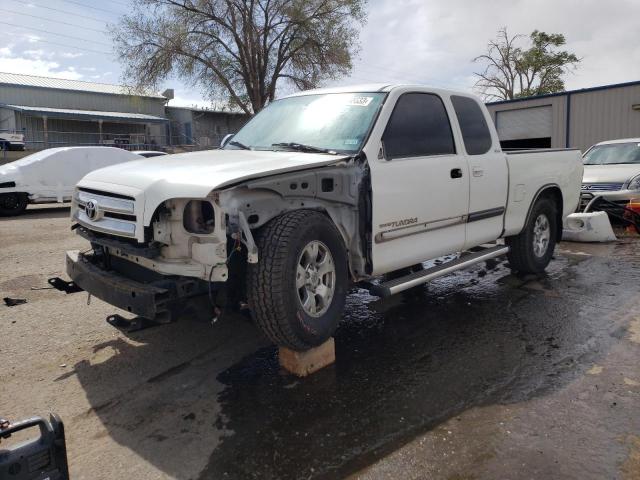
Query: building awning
(86, 115)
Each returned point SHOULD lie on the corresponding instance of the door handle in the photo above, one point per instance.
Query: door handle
(477, 172)
(456, 173)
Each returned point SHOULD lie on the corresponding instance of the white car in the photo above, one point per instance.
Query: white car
(319, 190)
(51, 175)
(612, 171)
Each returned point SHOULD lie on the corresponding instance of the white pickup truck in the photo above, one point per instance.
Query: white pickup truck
(320, 189)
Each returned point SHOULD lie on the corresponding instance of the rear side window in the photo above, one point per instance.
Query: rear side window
(419, 126)
(475, 132)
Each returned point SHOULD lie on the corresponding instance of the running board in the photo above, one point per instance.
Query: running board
(397, 285)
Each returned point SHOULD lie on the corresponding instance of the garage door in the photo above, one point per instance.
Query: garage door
(526, 123)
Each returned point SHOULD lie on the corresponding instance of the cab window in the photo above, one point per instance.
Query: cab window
(475, 132)
(419, 126)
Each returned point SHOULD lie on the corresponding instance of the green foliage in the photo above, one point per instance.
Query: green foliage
(512, 71)
(241, 50)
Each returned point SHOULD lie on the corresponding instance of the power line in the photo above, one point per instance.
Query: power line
(126, 4)
(55, 21)
(53, 33)
(39, 40)
(92, 7)
(66, 12)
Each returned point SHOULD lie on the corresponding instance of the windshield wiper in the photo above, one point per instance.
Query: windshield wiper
(301, 147)
(235, 143)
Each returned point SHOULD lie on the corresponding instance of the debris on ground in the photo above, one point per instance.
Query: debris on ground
(12, 302)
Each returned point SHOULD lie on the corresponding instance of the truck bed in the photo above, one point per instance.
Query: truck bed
(561, 167)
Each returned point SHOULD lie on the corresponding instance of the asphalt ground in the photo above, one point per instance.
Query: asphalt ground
(479, 375)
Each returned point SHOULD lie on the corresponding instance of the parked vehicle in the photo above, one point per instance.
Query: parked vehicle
(51, 175)
(10, 140)
(612, 171)
(320, 189)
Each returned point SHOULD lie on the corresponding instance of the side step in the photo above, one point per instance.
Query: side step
(397, 285)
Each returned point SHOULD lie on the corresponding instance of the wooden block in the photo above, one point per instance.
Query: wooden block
(306, 363)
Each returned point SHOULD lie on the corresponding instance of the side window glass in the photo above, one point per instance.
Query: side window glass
(419, 126)
(475, 132)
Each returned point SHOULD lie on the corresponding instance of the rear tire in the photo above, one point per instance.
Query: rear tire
(13, 203)
(532, 249)
(298, 288)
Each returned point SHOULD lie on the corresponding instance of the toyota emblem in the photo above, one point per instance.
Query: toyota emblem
(91, 209)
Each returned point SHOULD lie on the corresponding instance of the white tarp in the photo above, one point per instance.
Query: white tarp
(52, 174)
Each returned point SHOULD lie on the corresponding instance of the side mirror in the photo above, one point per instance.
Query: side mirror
(226, 139)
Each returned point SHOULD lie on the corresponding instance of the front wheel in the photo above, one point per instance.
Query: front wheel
(13, 203)
(531, 250)
(298, 288)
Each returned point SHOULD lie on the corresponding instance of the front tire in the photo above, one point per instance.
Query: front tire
(531, 250)
(13, 203)
(298, 288)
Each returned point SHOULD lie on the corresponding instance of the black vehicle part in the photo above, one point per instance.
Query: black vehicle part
(159, 300)
(271, 283)
(64, 285)
(620, 212)
(40, 458)
(13, 203)
(145, 251)
(522, 254)
(136, 324)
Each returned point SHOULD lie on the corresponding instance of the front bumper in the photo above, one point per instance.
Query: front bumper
(146, 300)
(621, 198)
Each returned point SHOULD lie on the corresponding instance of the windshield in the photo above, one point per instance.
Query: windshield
(613, 153)
(336, 121)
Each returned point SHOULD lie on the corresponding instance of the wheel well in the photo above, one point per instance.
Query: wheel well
(555, 194)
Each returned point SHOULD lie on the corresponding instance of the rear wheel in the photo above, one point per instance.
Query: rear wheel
(298, 288)
(13, 203)
(532, 249)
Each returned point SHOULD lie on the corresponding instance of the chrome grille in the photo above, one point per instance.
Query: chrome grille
(601, 187)
(106, 213)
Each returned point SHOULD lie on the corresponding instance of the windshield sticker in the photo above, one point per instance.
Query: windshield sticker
(351, 141)
(360, 101)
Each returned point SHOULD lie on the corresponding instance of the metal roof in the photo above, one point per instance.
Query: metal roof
(567, 92)
(75, 85)
(86, 114)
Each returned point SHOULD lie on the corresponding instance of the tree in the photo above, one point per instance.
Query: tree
(239, 50)
(512, 71)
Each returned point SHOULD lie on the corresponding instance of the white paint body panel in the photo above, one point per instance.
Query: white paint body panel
(588, 227)
(195, 175)
(51, 175)
(529, 172)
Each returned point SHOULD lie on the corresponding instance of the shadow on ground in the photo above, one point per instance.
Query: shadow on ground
(38, 212)
(472, 339)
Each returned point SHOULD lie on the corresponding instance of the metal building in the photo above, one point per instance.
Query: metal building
(203, 127)
(572, 119)
(54, 112)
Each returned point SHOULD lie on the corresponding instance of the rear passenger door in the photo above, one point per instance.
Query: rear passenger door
(420, 184)
(489, 176)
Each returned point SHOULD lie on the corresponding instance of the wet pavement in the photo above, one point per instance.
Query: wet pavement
(481, 374)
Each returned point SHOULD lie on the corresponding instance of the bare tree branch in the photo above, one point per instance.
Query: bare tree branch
(241, 50)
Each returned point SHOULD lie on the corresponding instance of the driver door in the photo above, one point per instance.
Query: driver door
(420, 185)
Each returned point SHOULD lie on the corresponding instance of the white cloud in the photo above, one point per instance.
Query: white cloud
(44, 68)
(71, 55)
(433, 41)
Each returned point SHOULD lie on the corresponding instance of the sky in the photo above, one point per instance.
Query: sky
(404, 41)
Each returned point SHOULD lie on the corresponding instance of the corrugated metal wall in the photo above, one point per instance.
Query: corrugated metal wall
(604, 115)
(39, 97)
(595, 115)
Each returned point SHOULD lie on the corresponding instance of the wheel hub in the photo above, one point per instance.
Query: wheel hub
(315, 278)
(541, 235)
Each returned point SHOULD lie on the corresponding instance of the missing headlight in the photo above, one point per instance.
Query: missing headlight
(199, 217)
